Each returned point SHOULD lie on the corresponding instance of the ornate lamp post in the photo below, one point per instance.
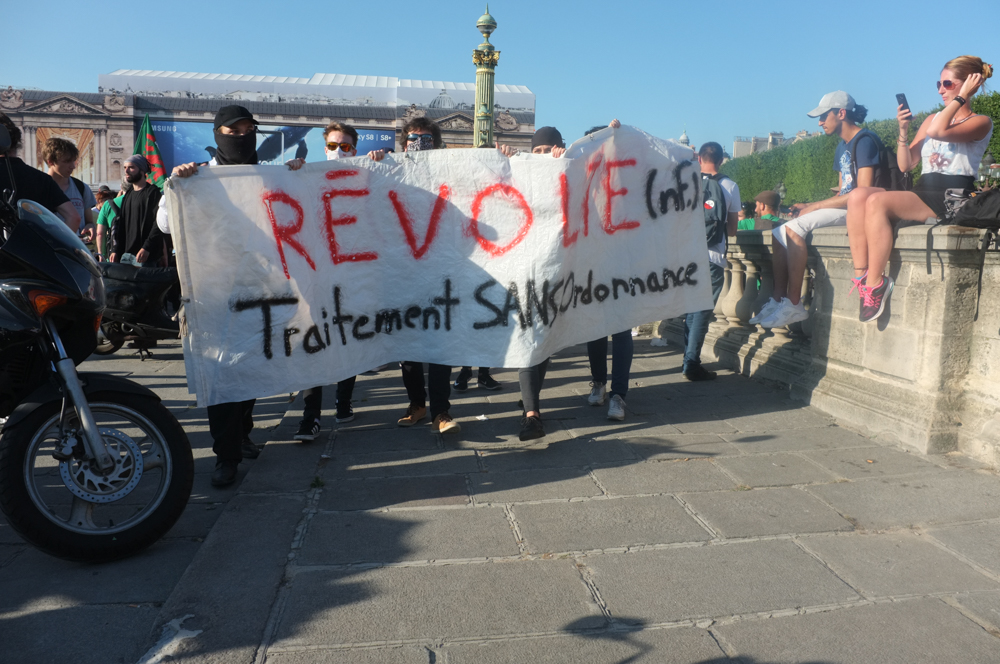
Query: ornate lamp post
(485, 58)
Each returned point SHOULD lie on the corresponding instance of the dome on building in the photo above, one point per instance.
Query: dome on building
(684, 140)
(443, 100)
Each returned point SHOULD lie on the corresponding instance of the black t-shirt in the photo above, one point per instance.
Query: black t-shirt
(32, 184)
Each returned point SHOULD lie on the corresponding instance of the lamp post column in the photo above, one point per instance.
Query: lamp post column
(485, 58)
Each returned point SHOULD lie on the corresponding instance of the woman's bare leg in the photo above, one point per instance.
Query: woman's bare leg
(856, 227)
(881, 209)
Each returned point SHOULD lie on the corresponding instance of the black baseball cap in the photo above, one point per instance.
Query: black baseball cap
(230, 115)
(547, 136)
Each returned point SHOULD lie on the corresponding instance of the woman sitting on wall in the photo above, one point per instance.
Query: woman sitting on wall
(950, 144)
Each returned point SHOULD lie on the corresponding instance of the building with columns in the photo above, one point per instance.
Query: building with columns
(292, 112)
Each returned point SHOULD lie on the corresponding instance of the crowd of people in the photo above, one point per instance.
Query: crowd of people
(132, 226)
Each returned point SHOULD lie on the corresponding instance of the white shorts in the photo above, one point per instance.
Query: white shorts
(806, 223)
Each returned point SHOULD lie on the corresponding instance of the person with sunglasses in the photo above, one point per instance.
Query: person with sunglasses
(341, 143)
(855, 160)
(424, 134)
(949, 146)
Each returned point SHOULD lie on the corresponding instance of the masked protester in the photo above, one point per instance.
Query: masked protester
(229, 423)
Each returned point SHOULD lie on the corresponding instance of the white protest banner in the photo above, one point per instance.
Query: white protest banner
(294, 279)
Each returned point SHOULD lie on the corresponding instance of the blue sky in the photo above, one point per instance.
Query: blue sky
(719, 69)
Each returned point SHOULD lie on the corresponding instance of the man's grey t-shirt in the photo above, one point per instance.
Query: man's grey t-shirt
(79, 202)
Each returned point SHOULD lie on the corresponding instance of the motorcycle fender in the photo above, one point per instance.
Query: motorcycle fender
(92, 384)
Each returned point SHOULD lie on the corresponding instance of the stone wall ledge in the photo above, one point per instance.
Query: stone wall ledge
(926, 374)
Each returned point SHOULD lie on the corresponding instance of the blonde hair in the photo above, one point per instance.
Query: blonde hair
(965, 66)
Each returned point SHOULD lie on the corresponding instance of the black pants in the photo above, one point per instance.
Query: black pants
(438, 384)
(230, 424)
(313, 398)
(531, 380)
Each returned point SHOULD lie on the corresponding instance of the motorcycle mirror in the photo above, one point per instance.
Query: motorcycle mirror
(4, 140)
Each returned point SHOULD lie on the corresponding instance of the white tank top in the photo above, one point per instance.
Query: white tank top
(954, 158)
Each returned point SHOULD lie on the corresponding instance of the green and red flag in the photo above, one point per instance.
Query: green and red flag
(145, 144)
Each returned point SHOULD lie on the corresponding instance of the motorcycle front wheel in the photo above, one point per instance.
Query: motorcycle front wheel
(70, 508)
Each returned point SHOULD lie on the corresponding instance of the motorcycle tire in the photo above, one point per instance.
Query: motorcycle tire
(109, 340)
(61, 521)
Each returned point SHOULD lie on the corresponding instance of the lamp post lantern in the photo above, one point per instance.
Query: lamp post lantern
(485, 58)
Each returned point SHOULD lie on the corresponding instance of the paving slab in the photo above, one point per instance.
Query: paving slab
(367, 494)
(893, 564)
(759, 512)
(931, 499)
(231, 583)
(405, 464)
(387, 537)
(573, 453)
(873, 461)
(797, 418)
(676, 476)
(435, 602)
(149, 576)
(980, 542)
(780, 469)
(291, 467)
(524, 485)
(679, 446)
(713, 581)
(81, 634)
(793, 440)
(383, 439)
(984, 608)
(652, 646)
(606, 523)
(924, 631)
(408, 655)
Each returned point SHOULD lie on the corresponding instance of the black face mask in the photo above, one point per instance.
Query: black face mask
(235, 149)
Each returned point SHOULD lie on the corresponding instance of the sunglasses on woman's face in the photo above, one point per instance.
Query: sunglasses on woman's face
(947, 85)
(346, 147)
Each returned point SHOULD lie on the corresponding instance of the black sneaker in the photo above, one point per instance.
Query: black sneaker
(249, 449)
(461, 383)
(488, 382)
(531, 428)
(308, 430)
(873, 300)
(697, 372)
(225, 473)
(345, 415)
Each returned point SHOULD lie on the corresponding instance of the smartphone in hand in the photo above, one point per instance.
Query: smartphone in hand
(901, 101)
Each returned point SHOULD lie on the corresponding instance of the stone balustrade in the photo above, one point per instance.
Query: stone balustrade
(927, 373)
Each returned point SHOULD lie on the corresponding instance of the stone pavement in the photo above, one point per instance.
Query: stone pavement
(719, 522)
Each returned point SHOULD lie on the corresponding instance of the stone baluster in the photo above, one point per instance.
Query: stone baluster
(805, 327)
(744, 306)
(735, 291)
(719, 316)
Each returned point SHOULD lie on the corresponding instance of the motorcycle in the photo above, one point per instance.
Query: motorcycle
(92, 466)
(141, 303)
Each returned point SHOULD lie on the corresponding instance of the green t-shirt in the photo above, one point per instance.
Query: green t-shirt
(745, 224)
(108, 213)
(775, 221)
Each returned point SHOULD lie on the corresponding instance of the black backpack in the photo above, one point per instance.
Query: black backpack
(980, 210)
(887, 174)
(714, 203)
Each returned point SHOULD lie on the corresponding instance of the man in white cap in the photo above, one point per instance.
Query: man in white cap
(859, 161)
(135, 234)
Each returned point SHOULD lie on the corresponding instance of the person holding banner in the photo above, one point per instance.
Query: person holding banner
(229, 423)
(424, 134)
(341, 143)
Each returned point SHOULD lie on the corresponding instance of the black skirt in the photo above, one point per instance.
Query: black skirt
(930, 189)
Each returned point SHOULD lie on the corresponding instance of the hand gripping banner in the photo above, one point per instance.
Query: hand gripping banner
(293, 279)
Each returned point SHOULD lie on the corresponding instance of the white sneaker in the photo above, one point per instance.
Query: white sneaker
(598, 393)
(766, 311)
(786, 314)
(616, 409)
